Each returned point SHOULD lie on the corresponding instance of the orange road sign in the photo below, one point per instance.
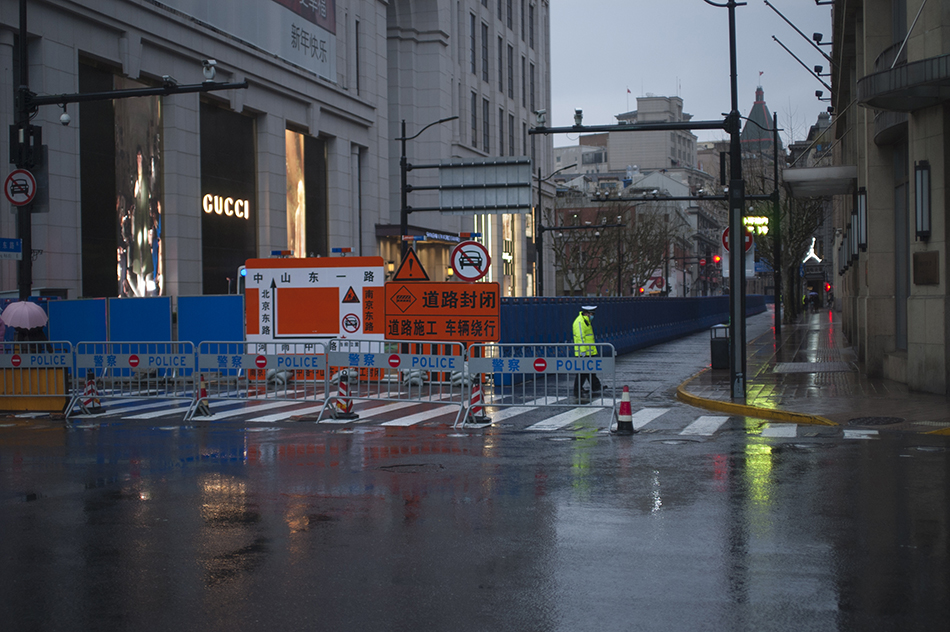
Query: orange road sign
(444, 312)
(411, 268)
(301, 300)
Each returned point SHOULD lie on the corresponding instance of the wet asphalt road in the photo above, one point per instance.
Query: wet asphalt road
(296, 526)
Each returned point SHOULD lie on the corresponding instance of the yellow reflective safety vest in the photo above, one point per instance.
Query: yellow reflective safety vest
(583, 332)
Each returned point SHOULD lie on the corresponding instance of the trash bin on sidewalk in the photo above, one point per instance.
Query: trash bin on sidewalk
(719, 346)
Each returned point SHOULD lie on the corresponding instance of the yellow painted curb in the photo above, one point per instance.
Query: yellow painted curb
(942, 431)
(748, 411)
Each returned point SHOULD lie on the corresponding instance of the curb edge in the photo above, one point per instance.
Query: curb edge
(746, 410)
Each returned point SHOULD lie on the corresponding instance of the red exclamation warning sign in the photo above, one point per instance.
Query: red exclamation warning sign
(411, 269)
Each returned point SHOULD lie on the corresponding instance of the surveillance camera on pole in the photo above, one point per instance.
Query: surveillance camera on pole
(207, 68)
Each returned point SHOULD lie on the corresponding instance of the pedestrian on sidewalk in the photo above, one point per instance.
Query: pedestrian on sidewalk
(584, 337)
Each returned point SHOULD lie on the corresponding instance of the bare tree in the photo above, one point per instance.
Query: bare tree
(595, 258)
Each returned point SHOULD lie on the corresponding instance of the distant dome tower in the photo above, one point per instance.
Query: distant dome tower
(755, 139)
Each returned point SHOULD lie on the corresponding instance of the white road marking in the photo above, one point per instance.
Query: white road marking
(780, 430)
(412, 420)
(559, 421)
(705, 425)
(370, 412)
(860, 434)
(645, 415)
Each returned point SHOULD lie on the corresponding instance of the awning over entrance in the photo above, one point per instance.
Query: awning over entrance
(820, 181)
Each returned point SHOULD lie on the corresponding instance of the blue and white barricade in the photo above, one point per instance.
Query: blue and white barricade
(35, 370)
(399, 371)
(247, 371)
(135, 370)
(544, 375)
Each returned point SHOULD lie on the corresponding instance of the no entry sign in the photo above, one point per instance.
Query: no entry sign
(748, 239)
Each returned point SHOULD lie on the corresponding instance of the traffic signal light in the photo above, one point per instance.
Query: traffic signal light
(827, 287)
(717, 259)
(642, 290)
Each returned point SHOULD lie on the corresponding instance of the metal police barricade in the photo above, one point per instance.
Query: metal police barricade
(403, 371)
(266, 371)
(543, 375)
(35, 375)
(161, 370)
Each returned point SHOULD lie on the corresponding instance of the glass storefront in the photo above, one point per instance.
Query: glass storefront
(228, 204)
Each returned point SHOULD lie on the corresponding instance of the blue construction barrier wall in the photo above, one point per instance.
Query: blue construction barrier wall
(627, 323)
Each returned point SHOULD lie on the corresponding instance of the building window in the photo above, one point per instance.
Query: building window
(522, 20)
(524, 138)
(474, 120)
(484, 52)
(511, 72)
(357, 40)
(499, 9)
(486, 115)
(531, 26)
(501, 132)
(501, 65)
(472, 41)
(524, 91)
(511, 134)
(509, 14)
(533, 108)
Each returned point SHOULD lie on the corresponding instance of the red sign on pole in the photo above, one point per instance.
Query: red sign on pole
(748, 239)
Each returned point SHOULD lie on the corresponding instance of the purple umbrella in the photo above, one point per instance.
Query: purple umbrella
(24, 315)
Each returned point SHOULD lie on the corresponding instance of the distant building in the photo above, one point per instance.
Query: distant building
(756, 138)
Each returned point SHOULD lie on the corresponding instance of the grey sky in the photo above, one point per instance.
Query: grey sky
(602, 48)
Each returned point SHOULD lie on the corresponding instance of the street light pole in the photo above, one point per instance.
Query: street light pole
(539, 231)
(24, 217)
(737, 302)
(404, 169)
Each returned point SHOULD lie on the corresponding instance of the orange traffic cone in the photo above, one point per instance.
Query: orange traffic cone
(476, 414)
(625, 417)
(203, 409)
(344, 403)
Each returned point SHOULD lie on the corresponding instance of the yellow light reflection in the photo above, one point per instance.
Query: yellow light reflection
(758, 478)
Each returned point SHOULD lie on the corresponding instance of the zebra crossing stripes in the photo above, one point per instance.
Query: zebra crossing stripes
(645, 415)
(780, 430)
(705, 425)
(564, 419)
(286, 415)
(412, 420)
(366, 414)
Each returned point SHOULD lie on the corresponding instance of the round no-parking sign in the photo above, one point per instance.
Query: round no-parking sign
(470, 260)
(20, 187)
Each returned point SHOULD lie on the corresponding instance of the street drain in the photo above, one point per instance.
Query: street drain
(875, 421)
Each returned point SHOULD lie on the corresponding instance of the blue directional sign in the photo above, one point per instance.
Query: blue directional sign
(11, 248)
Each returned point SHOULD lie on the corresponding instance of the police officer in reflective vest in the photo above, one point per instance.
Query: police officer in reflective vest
(585, 347)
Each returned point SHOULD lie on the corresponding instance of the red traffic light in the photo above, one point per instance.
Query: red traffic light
(717, 259)
(642, 290)
(827, 287)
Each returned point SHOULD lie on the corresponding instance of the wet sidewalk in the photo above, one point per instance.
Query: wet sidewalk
(813, 376)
